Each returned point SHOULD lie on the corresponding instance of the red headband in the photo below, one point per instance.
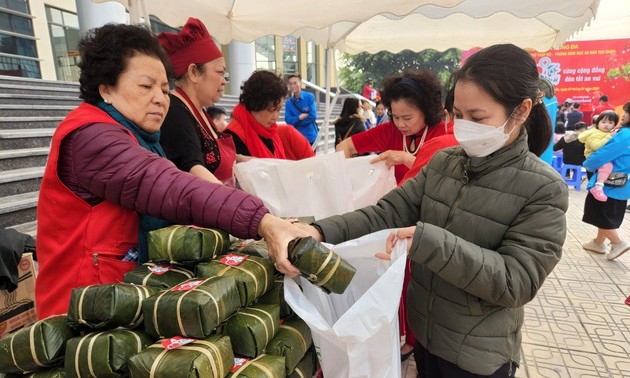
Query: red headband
(193, 44)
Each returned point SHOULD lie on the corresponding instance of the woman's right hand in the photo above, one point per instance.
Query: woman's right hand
(278, 232)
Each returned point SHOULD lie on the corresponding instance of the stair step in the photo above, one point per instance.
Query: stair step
(23, 158)
(25, 81)
(29, 228)
(38, 99)
(21, 174)
(11, 139)
(18, 202)
(22, 180)
(29, 122)
(27, 89)
(29, 110)
(18, 209)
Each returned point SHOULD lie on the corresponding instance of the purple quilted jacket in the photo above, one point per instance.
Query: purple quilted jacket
(102, 162)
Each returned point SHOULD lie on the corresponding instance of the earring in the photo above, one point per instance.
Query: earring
(107, 101)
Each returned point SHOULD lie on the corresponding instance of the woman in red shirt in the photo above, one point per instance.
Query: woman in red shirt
(415, 103)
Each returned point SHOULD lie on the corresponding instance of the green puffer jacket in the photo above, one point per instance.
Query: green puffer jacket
(488, 232)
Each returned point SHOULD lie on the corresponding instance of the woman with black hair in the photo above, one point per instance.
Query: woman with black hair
(349, 121)
(415, 103)
(254, 121)
(484, 222)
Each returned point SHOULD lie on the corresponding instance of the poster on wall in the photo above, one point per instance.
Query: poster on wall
(583, 71)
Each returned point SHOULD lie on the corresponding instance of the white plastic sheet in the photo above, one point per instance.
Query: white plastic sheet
(356, 333)
(320, 186)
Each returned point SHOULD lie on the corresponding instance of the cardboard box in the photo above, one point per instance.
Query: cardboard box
(17, 309)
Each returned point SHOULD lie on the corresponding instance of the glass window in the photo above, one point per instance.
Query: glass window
(70, 20)
(64, 36)
(17, 46)
(311, 62)
(16, 5)
(290, 54)
(19, 67)
(266, 53)
(16, 24)
(55, 16)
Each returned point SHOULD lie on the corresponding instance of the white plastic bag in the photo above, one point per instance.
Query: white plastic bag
(369, 181)
(356, 333)
(320, 186)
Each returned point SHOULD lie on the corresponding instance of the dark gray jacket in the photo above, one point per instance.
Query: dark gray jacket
(488, 232)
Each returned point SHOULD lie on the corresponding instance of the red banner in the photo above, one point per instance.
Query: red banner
(583, 71)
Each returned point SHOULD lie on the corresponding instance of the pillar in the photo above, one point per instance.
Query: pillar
(241, 64)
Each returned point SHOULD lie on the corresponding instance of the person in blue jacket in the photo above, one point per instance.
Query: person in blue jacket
(301, 110)
(608, 216)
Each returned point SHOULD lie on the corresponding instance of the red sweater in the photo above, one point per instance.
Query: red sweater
(386, 137)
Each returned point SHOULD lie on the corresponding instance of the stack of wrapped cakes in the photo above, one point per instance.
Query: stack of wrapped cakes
(200, 308)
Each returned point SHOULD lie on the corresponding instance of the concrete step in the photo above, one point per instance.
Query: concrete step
(29, 228)
(41, 90)
(15, 80)
(11, 139)
(38, 99)
(18, 209)
(29, 122)
(23, 158)
(19, 181)
(39, 110)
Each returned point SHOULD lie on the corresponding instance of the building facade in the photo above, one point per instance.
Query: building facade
(38, 39)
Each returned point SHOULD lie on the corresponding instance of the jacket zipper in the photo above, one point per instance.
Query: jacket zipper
(465, 179)
(95, 258)
(430, 310)
(510, 337)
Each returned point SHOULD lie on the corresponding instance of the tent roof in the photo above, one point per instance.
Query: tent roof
(373, 25)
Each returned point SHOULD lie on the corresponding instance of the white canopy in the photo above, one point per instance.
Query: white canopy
(372, 25)
(612, 22)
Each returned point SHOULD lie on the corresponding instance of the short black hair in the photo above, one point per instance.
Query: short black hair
(262, 89)
(604, 98)
(426, 94)
(105, 53)
(216, 111)
(560, 128)
(294, 75)
(609, 115)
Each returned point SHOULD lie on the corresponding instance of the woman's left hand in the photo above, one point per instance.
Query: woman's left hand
(392, 239)
(393, 158)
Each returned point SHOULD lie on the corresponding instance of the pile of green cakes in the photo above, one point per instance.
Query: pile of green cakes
(202, 307)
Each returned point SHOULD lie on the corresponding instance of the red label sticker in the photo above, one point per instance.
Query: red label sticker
(187, 285)
(176, 342)
(233, 260)
(238, 363)
(25, 264)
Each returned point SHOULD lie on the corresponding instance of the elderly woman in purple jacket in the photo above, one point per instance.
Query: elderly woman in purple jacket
(107, 183)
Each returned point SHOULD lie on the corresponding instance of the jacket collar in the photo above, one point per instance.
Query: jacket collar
(505, 156)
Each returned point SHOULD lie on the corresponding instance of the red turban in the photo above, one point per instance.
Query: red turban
(193, 44)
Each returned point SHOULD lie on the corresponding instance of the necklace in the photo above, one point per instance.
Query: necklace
(424, 135)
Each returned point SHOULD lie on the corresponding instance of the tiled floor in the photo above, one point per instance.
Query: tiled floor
(578, 324)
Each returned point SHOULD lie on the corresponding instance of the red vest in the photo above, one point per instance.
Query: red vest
(77, 244)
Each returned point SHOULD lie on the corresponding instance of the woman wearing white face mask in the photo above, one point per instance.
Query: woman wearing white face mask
(485, 222)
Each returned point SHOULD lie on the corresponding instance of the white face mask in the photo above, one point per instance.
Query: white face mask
(479, 140)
